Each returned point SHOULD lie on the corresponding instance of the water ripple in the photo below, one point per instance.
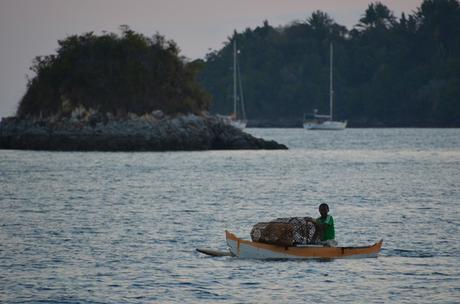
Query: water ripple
(123, 227)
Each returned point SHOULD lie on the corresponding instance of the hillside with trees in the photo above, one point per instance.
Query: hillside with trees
(388, 70)
(117, 74)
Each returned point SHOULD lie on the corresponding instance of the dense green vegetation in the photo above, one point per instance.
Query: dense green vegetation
(113, 73)
(388, 70)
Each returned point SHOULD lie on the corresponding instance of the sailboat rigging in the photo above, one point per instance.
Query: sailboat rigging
(238, 117)
(326, 122)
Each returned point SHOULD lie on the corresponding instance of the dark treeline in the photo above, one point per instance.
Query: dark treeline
(116, 74)
(388, 70)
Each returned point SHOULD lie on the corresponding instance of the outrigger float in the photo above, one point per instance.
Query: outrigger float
(254, 250)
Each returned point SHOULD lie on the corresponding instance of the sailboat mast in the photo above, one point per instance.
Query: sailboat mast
(234, 76)
(331, 85)
(241, 95)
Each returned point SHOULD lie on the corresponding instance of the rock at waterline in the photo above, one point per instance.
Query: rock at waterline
(134, 133)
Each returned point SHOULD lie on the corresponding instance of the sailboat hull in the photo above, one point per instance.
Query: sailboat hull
(325, 125)
(240, 124)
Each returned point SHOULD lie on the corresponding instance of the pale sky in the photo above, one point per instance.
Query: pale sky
(29, 28)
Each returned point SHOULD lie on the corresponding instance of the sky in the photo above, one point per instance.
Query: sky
(30, 28)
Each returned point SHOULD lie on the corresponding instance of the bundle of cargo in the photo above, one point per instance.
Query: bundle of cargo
(287, 231)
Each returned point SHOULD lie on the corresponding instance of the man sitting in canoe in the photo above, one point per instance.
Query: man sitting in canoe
(326, 224)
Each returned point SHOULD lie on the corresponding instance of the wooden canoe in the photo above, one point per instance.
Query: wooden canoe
(255, 250)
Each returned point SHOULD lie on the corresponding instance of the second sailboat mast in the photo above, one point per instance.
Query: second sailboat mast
(331, 85)
(234, 76)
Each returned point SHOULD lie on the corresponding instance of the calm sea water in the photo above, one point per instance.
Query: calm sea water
(123, 227)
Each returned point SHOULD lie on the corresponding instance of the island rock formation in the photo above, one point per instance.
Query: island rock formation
(93, 131)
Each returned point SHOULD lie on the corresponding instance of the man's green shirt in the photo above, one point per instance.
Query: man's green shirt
(329, 231)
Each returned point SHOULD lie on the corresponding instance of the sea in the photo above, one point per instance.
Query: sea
(100, 227)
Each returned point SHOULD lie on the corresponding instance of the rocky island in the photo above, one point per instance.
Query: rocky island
(154, 132)
(122, 92)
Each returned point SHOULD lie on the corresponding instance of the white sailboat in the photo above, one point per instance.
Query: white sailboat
(238, 117)
(326, 122)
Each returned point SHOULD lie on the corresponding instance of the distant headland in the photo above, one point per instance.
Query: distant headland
(388, 70)
(123, 92)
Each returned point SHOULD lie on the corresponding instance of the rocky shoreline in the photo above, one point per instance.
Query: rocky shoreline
(151, 132)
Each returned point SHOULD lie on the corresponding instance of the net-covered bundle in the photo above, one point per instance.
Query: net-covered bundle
(287, 231)
(273, 233)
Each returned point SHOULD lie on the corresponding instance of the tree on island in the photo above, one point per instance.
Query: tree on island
(118, 74)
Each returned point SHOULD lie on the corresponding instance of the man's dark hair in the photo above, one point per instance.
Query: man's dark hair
(324, 205)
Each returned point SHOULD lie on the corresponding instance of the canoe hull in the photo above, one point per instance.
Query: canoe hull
(254, 250)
